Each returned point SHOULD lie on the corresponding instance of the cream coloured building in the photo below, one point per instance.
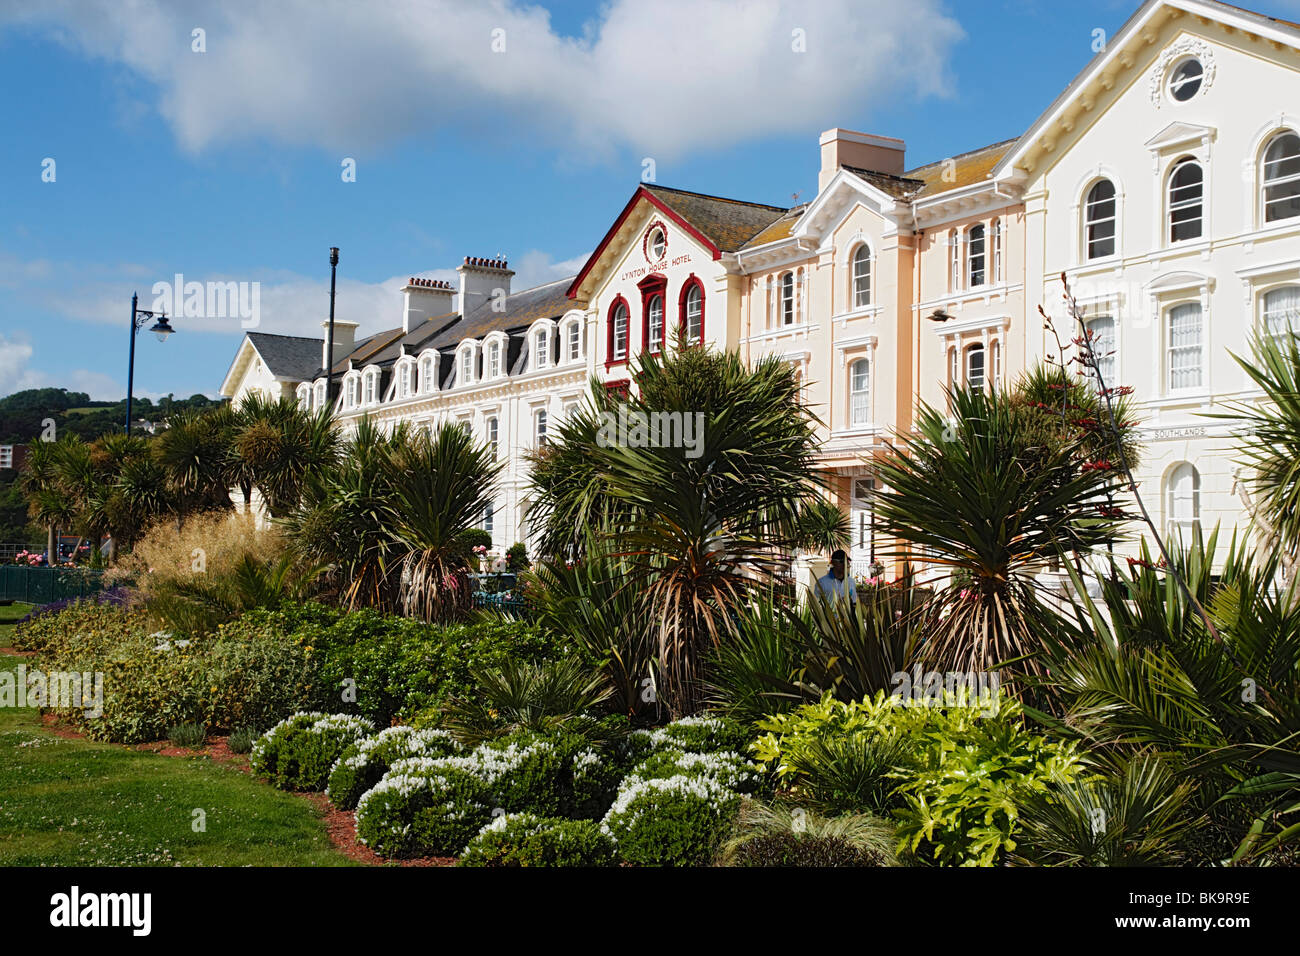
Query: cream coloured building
(1165, 181)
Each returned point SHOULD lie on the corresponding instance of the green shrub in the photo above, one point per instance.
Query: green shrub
(960, 772)
(525, 839)
(241, 740)
(674, 822)
(298, 752)
(701, 735)
(786, 836)
(729, 770)
(517, 557)
(364, 763)
(187, 735)
(423, 806)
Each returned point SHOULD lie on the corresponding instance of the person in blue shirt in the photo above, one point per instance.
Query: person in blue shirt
(837, 583)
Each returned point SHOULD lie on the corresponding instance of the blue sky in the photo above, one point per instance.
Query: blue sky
(226, 164)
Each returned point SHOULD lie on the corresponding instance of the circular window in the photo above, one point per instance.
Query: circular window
(1185, 80)
(658, 244)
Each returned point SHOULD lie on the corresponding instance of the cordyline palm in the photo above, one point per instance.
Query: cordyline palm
(993, 495)
(440, 486)
(277, 444)
(345, 514)
(1271, 437)
(703, 526)
(192, 451)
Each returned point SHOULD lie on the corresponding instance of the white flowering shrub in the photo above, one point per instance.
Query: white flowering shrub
(525, 839)
(364, 763)
(701, 735)
(298, 752)
(679, 821)
(423, 806)
(728, 769)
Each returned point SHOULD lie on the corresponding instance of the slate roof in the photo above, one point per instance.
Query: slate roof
(899, 187)
(967, 169)
(288, 356)
(728, 223)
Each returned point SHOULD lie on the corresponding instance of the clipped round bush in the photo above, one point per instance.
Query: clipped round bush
(364, 763)
(701, 735)
(423, 806)
(298, 752)
(728, 769)
(675, 822)
(525, 839)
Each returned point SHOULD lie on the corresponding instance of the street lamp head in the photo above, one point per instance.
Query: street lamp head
(162, 329)
(334, 255)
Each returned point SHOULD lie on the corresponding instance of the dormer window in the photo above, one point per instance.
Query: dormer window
(371, 380)
(426, 374)
(304, 396)
(574, 341)
(541, 348)
(494, 360)
(466, 367)
(1185, 79)
(320, 394)
(404, 380)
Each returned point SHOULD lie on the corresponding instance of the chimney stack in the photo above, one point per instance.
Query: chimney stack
(345, 339)
(483, 280)
(424, 299)
(843, 147)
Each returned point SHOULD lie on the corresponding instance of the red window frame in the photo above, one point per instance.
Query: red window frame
(621, 387)
(692, 281)
(651, 286)
(610, 361)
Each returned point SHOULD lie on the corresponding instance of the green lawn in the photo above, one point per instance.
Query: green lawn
(78, 803)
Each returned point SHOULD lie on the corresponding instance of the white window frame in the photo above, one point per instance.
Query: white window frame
(1090, 220)
(860, 277)
(427, 373)
(1291, 315)
(697, 291)
(541, 423)
(1107, 364)
(319, 395)
(1172, 206)
(1176, 527)
(492, 434)
(969, 351)
(973, 243)
(998, 230)
(655, 341)
(1171, 350)
(541, 348)
(860, 393)
(623, 318)
(465, 366)
(573, 340)
(786, 307)
(1266, 183)
(493, 360)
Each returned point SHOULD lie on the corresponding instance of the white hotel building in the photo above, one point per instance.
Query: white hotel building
(1164, 181)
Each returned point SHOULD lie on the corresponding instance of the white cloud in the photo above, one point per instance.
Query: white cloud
(16, 374)
(661, 78)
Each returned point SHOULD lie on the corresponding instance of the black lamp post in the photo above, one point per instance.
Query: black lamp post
(329, 345)
(160, 328)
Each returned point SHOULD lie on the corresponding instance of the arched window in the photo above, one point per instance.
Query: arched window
(370, 379)
(976, 263)
(1186, 193)
(466, 367)
(426, 374)
(693, 313)
(1183, 502)
(618, 333)
(787, 299)
(493, 359)
(1099, 220)
(1184, 346)
(997, 250)
(541, 348)
(1282, 310)
(304, 396)
(1282, 178)
(862, 276)
(860, 393)
(540, 421)
(995, 354)
(954, 260)
(320, 394)
(492, 429)
(655, 323)
(975, 375)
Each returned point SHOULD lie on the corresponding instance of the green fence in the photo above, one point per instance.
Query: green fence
(46, 585)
